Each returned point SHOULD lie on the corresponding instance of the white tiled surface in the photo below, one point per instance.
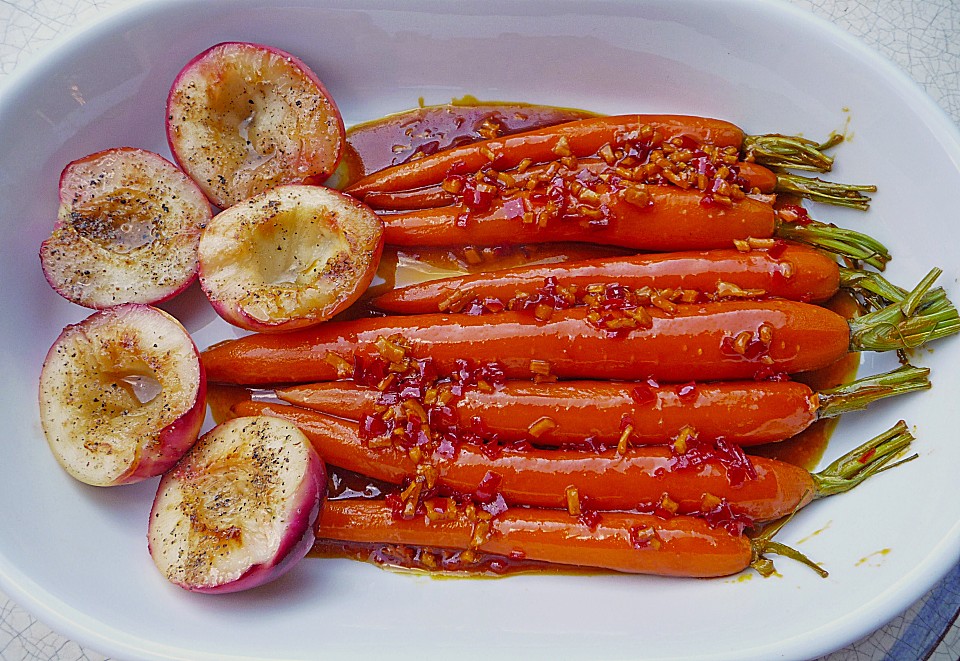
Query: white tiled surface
(921, 36)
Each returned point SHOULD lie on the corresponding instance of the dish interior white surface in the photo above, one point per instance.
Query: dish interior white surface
(77, 556)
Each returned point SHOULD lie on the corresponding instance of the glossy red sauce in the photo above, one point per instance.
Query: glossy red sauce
(438, 562)
(405, 136)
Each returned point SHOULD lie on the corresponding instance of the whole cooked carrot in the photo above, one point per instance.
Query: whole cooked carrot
(650, 218)
(714, 341)
(587, 137)
(684, 480)
(697, 342)
(422, 131)
(751, 178)
(658, 218)
(571, 412)
(619, 541)
(455, 188)
(788, 271)
(579, 138)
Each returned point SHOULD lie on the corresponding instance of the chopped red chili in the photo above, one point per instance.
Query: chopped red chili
(779, 247)
(687, 392)
(867, 456)
(795, 214)
(722, 516)
(589, 515)
(642, 393)
(697, 452)
(644, 537)
(486, 491)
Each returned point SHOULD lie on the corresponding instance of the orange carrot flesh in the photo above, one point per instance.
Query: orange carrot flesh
(745, 413)
(796, 273)
(580, 138)
(758, 177)
(369, 521)
(344, 399)
(430, 197)
(543, 478)
(623, 542)
(667, 219)
(752, 178)
(713, 341)
(400, 267)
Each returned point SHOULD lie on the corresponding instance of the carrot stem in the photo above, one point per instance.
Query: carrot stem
(906, 324)
(761, 542)
(826, 192)
(764, 566)
(790, 151)
(838, 240)
(863, 461)
(877, 291)
(859, 394)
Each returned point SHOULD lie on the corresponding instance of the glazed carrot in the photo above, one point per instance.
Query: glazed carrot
(657, 218)
(693, 481)
(744, 413)
(400, 267)
(714, 341)
(580, 138)
(694, 343)
(623, 542)
(792, 271)
(587, 137)
(756, 179)
(752, 178)
(665, 219)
